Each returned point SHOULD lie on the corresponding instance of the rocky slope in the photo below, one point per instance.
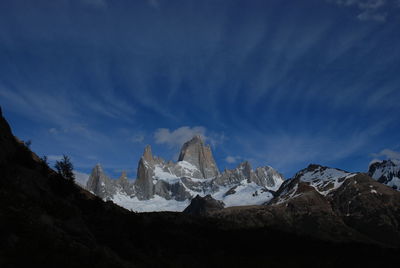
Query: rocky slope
(168, 185)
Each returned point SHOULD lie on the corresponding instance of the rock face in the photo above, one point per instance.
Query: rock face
(104, 187)
(386, 172)
(263, 176)
(99, 183)
(203, 205)
(195, 173)
(199, 155)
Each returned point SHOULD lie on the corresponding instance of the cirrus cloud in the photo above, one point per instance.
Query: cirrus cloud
(369, 10)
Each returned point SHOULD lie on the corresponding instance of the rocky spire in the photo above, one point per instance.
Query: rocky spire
(99, 183)
(147, 154)
(245, 169)
(199, 155)
(123, 176)
(124, 184)
(145, 172)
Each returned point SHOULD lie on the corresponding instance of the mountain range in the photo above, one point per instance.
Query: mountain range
(322, 217)
(167, 185)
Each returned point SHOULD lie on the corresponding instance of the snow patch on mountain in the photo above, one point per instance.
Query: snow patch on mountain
(243, 194)
(323, 179)
(157, 203)
(160, 174)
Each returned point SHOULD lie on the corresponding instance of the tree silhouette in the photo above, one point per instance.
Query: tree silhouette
(64, 168)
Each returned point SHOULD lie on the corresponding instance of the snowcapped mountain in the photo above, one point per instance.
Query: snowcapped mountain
(386, 172)
(313, 179)
(323, 179)
(168, 185)
(329, 183)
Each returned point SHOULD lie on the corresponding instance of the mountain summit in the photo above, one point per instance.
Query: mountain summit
(199, 155)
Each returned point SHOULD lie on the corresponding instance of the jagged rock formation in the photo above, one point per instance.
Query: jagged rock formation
(99, 183)
(203, 205)
(386, 172)
(263, 176)
(199, 155)
(104, 187)
(195, 173)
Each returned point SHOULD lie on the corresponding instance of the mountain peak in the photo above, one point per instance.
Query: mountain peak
(123, 176)
(98, 181)
(97, 169)
(196, 139)
(147, 154)
(198, 154)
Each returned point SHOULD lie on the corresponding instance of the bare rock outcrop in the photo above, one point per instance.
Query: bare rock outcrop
(199, 155)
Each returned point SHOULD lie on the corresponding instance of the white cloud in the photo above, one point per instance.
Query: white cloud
(390, 154)
(178, 136)
(232, 159)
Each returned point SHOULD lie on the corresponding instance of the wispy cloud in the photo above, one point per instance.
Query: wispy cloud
(290, 151)
(154, 3)
(390, 154)
(369, 10)
(368, 15)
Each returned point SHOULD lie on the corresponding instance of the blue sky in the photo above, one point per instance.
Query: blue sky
(280, 83)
